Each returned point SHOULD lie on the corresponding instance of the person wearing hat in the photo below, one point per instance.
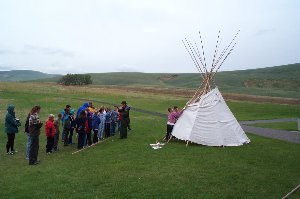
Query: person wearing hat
(11, 128)
(124, 119)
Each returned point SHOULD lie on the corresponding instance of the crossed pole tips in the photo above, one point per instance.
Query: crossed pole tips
(94, 144)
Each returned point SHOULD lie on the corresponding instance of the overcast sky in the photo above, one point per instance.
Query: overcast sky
(80, 36)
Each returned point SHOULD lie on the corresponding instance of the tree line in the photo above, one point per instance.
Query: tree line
(76, 79)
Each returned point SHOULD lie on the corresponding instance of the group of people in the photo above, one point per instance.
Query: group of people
(90, 124)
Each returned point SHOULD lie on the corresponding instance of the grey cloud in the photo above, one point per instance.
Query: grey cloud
(127, 68)
(49, 51)
(5, 51)
(4, 67)
(263, 32)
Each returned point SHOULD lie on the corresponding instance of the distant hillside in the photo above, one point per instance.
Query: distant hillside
(23, 75)
(281, 81)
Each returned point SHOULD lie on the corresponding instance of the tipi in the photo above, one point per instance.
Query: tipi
(206, 118)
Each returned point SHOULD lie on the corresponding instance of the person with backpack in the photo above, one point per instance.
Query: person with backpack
(11, 128)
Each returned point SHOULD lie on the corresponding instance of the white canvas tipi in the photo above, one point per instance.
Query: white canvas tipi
(206, 118)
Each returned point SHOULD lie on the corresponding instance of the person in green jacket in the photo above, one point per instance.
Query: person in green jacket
(11, 128)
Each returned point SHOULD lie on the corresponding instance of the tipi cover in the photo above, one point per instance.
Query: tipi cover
(210, 122)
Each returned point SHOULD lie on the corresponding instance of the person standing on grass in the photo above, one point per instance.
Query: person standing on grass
(129, 126)
(95, 125)
(66, 123)
(56, 124)
(35, 125)
(11, 128)
(124, 119)
(114, 120)
(28, 136)
(101, 115)
(107, 122)
(81, 128)
(89, 127)
(50, 133)
(72, 119)
(173, 116)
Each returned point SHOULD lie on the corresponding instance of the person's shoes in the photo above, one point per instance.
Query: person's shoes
(48, 153)
(34, 163)
(7, 153)
(14, 151)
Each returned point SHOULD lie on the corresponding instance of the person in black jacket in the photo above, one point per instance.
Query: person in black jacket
(81, 123)
(124, 119)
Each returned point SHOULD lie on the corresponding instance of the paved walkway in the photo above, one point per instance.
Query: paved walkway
(288, 136)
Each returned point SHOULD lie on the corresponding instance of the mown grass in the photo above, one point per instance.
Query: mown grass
(288, 126)
(265, 168)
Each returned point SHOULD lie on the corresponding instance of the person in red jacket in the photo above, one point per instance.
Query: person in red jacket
(50, 133)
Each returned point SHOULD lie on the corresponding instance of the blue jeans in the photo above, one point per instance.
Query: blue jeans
(101, 130)
(112, 128)
(28, 145)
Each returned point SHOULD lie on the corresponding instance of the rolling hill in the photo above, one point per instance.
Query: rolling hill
(280, 81)
(23, 75)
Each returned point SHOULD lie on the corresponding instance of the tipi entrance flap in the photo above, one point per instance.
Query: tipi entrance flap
(185, 123)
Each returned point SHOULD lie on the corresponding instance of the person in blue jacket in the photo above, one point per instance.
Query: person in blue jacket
(11, 128)
(82, 108)
(95, 124)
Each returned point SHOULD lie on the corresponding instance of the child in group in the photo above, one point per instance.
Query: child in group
(81, 121)
(107, 122)
(89, 127)
(114, 120)
(95, 125)
(101, 115)
(73, 124)
(50, 133)
(57, 131)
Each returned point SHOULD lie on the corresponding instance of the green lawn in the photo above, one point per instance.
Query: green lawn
(288, 126)
(265, 168)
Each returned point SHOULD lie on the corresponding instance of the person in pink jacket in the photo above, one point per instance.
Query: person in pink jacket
(173, 115)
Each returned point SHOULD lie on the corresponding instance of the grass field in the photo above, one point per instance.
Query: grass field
(265, 168)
